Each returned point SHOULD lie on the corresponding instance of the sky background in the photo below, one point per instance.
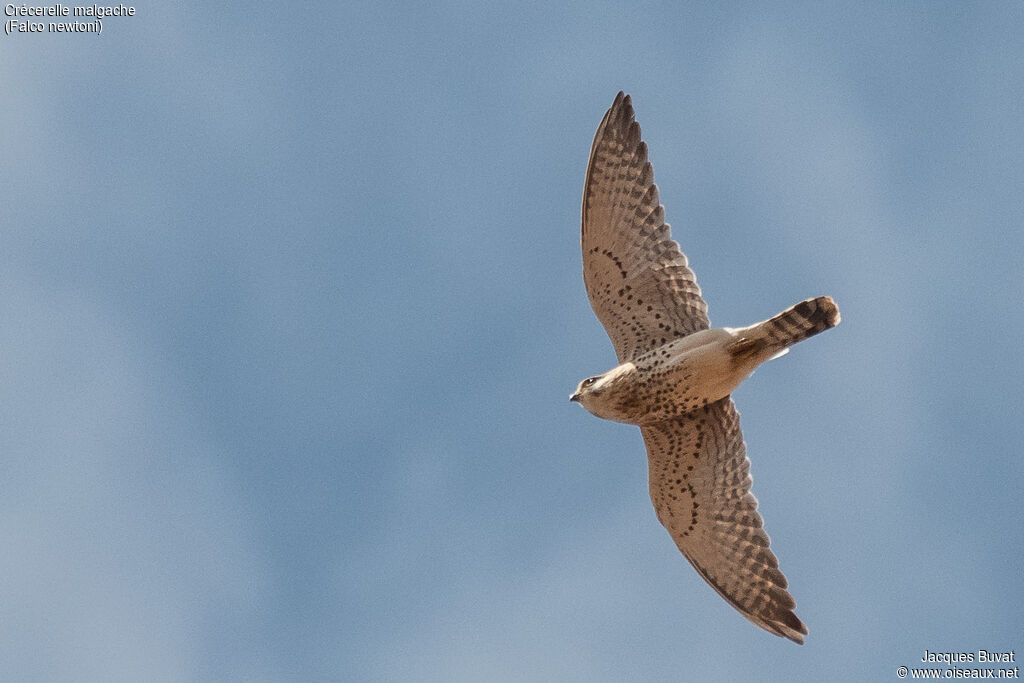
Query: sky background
(291, 306)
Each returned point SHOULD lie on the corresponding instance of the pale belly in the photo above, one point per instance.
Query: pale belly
(682, 376)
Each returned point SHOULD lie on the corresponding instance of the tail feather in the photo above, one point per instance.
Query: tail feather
(772, 338)
(799, 322)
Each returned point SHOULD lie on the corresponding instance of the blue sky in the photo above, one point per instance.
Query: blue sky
(292, 304)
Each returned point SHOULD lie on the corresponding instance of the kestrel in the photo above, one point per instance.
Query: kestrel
(675, 375)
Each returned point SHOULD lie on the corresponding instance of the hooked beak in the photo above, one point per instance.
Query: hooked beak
(575, 398)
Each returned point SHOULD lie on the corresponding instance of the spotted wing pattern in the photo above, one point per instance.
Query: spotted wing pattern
(700, 485)
(637, 278)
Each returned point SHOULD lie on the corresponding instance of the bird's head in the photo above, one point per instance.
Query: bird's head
(586, 389)
(601, 394)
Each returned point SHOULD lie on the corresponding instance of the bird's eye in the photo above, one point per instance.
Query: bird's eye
(588, 381)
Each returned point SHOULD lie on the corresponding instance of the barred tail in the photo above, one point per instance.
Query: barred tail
(799, 322)
(770, 339)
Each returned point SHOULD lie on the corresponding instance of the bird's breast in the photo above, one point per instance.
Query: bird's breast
(686, 374)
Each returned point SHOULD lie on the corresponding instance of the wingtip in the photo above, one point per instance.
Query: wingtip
(623, 103)
(786, 625)
(793, 629)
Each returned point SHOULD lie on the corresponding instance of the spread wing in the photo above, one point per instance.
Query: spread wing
(700, 487)
(637, 278)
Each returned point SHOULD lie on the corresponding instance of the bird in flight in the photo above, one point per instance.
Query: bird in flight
(676, 374)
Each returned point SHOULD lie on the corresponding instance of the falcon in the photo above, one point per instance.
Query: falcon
(676, 374)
